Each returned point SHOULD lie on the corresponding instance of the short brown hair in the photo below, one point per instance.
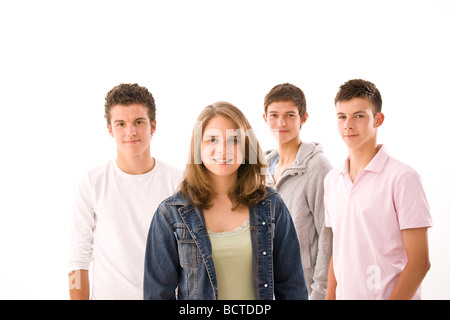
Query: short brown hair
(197, 183)
(127, 94)
(358, 88)
(286, 92)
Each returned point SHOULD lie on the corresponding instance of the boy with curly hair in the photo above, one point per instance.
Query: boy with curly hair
(115, 203)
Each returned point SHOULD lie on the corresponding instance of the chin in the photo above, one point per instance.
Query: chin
(224, 171)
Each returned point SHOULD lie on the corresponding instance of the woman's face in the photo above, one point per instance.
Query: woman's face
(221, 152)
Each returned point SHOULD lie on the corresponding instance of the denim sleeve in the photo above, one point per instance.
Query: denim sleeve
(288, 270)
(161, 259)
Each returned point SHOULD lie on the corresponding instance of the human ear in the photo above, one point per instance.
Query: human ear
(152, 127)
(110, 130)
(379, 119)
(304, 118)
(265, 117)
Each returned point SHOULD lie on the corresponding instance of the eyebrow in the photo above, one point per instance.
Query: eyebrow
(217, 135)
(137, 119)
(341, 113)
(284, 112)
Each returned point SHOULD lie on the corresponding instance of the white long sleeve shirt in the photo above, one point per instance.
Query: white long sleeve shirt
(111, 217)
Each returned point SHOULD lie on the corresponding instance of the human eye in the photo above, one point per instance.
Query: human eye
(232, 140)
(341, 117)
(140, 121)
(119, 124)
(211, 139)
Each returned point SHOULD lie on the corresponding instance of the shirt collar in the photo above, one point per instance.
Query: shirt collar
(375, 165)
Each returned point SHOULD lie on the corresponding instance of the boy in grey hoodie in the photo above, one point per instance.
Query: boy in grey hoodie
(297, 170)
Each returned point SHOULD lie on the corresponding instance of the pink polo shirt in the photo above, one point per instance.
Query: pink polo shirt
(367, 217)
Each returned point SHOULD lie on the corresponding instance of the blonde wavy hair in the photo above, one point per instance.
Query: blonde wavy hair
(250, 187)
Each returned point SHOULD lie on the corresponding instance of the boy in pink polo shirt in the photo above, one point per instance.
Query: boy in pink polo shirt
(376, 207)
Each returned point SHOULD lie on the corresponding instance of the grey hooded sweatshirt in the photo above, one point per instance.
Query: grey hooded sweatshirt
(301, 187)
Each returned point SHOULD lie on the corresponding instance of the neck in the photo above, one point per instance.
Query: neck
(135, 164)
(223, 185)
(360, 158)
(288, 151)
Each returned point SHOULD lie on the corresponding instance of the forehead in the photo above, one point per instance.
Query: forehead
(132, 111)
(354, 105)
(282, 107)
(219, 123)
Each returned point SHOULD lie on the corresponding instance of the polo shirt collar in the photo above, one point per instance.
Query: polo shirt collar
(378, 162)
(375, 165)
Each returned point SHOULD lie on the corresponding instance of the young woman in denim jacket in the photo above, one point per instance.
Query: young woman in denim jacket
(224, 235)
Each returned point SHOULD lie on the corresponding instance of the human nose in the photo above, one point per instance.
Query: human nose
(281, 121)
(348, 124)
(223, 148)
(131, 130)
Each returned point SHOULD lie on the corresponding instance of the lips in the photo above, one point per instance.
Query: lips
(223, 161)
(131, 141)
(281, 130)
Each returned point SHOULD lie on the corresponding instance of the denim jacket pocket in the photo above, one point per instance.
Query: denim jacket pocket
(187, 248)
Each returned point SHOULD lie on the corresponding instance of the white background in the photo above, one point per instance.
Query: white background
(58, 59)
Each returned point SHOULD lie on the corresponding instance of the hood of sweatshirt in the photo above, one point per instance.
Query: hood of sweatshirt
(306, 151)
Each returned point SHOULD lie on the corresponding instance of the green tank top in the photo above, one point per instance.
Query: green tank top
(232, 256)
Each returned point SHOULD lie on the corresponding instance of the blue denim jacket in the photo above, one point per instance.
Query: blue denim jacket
(178, 259)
